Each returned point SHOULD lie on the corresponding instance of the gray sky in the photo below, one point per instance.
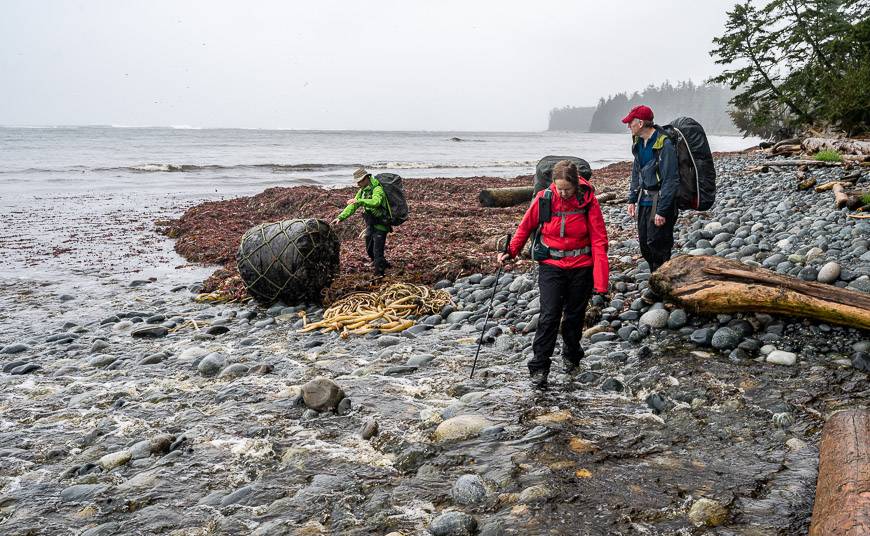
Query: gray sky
(322, 64)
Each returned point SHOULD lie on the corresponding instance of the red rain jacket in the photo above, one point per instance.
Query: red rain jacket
(581, 230)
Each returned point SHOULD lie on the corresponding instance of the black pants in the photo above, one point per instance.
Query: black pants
(564, 296)
(376, 243)
(656, 243)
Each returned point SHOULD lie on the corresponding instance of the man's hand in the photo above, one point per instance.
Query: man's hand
(336, 221)
(659, 220)
(351, 201)
(632, 210)
(502, 257)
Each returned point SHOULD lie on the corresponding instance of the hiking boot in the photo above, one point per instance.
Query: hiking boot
(538, 379)
(572, 369)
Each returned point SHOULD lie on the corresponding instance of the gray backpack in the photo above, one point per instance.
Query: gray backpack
(397, 205)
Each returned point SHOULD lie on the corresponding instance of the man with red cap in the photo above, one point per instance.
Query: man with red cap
(654, 183)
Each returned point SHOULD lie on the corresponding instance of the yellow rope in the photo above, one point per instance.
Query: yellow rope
(386, 309)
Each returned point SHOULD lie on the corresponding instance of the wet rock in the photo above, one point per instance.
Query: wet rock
(677, 319)
(779, 357)
(725, 339)
(398, 370)
(106, 529)
(538, 493)
(102, 360)
(612, 385)
(98, 345)
(708, 512)
(153, 331)
(192, 354)
(496, 527)
(344, 407)
(655, 318)
(322, 394)
(461, 427)
(389, 340)
(458, 317)
(861, 361)
(153, 359)
(211, 364)
(369, 429)
(702, 337)
(16, 348)
(658, 403)
(81, 492)
(24, 369)
(453, 524)
(115, 459)
(217, 330)
(468, 489)
(235, 370)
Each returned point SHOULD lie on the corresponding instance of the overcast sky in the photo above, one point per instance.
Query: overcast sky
(321, 64)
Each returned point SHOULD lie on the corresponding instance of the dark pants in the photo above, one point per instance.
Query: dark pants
(376, 243)
(564, 296)
(656, 243)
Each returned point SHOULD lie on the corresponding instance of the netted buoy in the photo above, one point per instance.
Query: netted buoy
(292, 260)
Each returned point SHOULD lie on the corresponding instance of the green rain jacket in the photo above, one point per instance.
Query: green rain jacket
(374, 200)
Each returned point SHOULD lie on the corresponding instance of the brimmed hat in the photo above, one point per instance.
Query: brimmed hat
(644, 113)
(360, 174)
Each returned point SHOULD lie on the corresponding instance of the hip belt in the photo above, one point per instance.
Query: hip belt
(564, 253)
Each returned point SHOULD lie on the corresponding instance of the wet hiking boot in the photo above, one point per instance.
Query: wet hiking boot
(572, 369)
(539, 379)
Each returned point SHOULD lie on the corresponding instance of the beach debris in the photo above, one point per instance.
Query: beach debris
(291, 260)
(387, 310)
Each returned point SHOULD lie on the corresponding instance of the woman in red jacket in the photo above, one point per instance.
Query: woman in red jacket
(577, 265)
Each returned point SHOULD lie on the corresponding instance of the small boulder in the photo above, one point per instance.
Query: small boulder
(461, 427)
(322, 394)
(708, 512)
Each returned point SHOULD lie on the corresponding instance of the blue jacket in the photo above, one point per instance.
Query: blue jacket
(659, 174)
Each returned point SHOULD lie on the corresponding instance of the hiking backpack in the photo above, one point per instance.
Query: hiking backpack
(397, 205)
(697, 189)
(544, 170)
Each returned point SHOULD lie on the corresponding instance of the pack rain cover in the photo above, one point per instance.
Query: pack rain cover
(291, 260)
(697, 188)
(544, 170)
(392, 185)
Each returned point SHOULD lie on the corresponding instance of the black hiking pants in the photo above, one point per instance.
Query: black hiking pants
(564, 295)
(656, 243)
(376, 243)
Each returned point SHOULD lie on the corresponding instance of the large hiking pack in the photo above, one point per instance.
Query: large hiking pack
(538, 251)
(397, 205)
(697, 189)
(544, 170)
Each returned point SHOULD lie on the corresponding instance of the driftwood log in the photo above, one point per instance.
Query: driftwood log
(842, 505)
(844, 146)
(840, 196)
(505, 197)
(711, 285)
(804, 163)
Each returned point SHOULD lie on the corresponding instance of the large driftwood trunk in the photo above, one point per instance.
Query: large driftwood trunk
(842, 506)
(856, 147)
(505, 197)
(715, 285)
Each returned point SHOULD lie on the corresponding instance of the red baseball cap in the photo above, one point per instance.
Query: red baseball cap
(644, 113)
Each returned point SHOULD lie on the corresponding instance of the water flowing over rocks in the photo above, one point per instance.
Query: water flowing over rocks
(675, 423)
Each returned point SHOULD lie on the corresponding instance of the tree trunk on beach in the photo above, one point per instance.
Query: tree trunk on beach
(505, 197)
(844, 146)
(842, 505)
(712, 285)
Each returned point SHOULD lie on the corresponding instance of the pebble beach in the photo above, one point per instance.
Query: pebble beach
(128, 408)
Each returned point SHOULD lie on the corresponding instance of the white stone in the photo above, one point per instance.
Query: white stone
(461, 427)
(779, 357)
(766, 349)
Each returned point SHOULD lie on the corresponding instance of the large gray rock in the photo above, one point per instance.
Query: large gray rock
(322, 394)
(211, 364)
(829, 273)
(655, 318)
(461, 427)
(468, 489)
(725, 339)
(453, 524)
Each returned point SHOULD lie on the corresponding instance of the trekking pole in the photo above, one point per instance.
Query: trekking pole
(489, 308)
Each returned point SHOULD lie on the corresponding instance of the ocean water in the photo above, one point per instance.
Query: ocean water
(236, 161)
(78, 204)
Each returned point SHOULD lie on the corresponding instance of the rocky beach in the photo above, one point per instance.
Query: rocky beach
(128, 408)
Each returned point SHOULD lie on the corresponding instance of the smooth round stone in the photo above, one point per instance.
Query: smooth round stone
(829, 273)
(461, 427)
(612, 385)
(725, 339)
(703, 336)
(468, 489)
(655, 318)
(115, 459)
(211, 364)
(16, 348)
(453, 524)
(677, 319)
(708, 512)
(322, 394)
(153, 331)
(192, 354)
(604, 336)
(779, 357)
(234, 371)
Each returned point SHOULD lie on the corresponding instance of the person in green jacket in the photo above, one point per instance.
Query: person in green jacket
(373, 199)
